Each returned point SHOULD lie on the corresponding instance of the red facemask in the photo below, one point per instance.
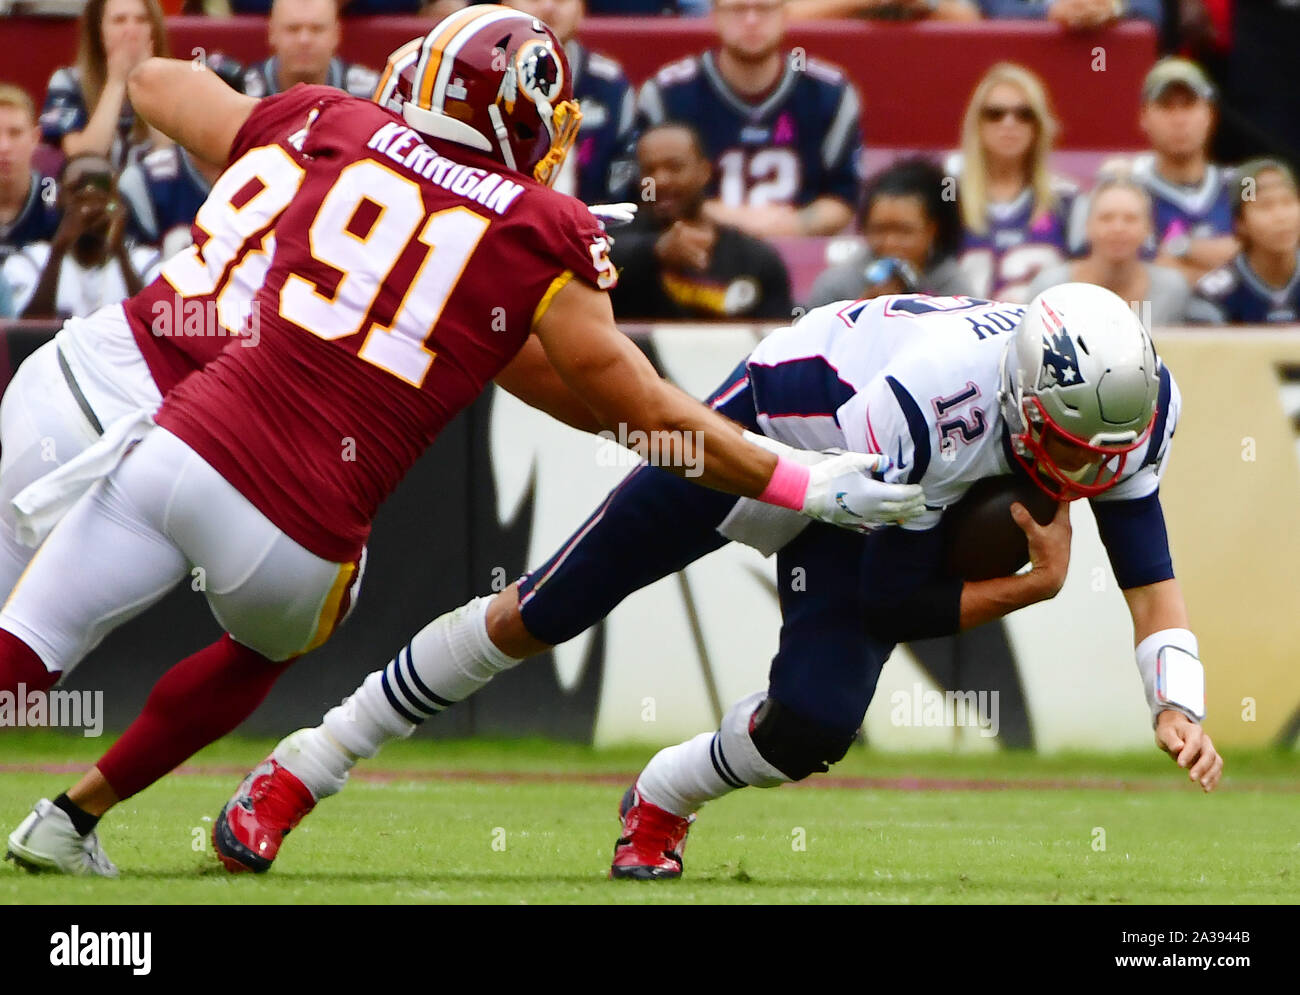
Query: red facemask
(1065, 485)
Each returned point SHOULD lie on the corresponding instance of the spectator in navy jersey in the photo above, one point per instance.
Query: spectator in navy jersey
(86, 109)
(27, 199)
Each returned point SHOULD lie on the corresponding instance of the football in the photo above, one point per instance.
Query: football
(982, 538)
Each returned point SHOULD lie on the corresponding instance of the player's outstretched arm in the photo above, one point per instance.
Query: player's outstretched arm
(627, 397)
(1171, 674)
(1049, 556)
(190, 104)
(531, 378)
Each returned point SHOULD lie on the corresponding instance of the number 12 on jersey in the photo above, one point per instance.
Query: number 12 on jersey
(953, 427)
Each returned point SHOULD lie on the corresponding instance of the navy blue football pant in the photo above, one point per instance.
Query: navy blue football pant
(654, 524)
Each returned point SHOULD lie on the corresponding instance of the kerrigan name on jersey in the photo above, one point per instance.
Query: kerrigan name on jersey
(404, 147)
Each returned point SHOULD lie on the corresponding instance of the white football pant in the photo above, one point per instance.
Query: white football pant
(42, 426)
(162, 516)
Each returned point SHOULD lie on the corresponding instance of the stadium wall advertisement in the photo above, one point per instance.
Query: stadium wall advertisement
(505, 486)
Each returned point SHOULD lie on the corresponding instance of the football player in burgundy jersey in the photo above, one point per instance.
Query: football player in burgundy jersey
(382, 315)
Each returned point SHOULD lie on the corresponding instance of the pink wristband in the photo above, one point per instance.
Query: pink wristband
(788, 486)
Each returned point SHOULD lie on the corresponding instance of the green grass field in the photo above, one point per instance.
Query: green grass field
(439, 827)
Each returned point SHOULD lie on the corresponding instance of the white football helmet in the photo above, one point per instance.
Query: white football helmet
(1080, 382)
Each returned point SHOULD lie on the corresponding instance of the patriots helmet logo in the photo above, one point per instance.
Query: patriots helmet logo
(1060, 360)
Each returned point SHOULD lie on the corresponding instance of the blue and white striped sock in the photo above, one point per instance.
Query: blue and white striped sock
(446, 661)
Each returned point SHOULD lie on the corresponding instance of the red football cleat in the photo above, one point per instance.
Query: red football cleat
(652, 841)
(268, 803)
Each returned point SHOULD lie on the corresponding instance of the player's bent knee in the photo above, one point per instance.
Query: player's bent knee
(794, 745)
(505, 626)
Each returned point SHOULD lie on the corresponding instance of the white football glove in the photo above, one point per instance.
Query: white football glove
(841, 491)
(613, 215)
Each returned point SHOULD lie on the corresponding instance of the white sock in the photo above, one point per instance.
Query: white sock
(313, 757)
(681, 778)
(447, 661)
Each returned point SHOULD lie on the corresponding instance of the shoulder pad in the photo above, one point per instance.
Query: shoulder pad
(1063, 186)
(1143, 166)
(604, 67)
(254, 81)
(827, 72)
(1218, 282)
(66, 78)
(360, 80)
(678, 72)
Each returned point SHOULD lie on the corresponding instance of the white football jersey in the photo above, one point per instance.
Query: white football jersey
(915, 378)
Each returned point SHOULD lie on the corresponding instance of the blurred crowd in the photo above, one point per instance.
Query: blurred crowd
(738, 156)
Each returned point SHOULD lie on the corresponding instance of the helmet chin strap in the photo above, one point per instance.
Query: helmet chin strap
(503, 135)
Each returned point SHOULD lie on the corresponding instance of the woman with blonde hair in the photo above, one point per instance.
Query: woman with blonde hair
(86, 109)
(1119, 223)
(1015, 213)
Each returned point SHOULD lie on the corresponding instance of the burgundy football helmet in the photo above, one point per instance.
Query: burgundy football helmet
(492, 78)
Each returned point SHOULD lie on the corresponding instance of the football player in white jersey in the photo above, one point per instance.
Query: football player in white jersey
(1067, 390)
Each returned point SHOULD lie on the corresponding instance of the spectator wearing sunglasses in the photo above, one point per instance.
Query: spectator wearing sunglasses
(87, 265)
(1014, 212)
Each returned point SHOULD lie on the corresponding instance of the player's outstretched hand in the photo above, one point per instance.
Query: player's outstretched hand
(841, 491)
(1049, 545)
(613, 215)
(1185, 741)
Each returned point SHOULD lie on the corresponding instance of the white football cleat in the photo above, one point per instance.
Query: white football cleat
(47, 841)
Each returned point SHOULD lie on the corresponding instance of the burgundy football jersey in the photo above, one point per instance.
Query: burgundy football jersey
(204, 296)
(405, 277)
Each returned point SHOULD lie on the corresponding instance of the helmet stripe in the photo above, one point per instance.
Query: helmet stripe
(398, 61)
(431, 54)
(458, 42)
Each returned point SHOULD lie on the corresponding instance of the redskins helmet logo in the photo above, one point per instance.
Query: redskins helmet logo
(536, 72)
(540, 73)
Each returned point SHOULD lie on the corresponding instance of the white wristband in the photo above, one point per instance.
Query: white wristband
(1172, 675)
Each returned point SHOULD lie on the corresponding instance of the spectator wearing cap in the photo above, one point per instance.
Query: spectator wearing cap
(1261, 284)
(88, 264)
(1191, 195)
(1076, 15)
(598, 169)
(27, 199)
(1118, 225)
(304, 39)
(674, 261)
(913, 233)
(86, 109)
(781, 127)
